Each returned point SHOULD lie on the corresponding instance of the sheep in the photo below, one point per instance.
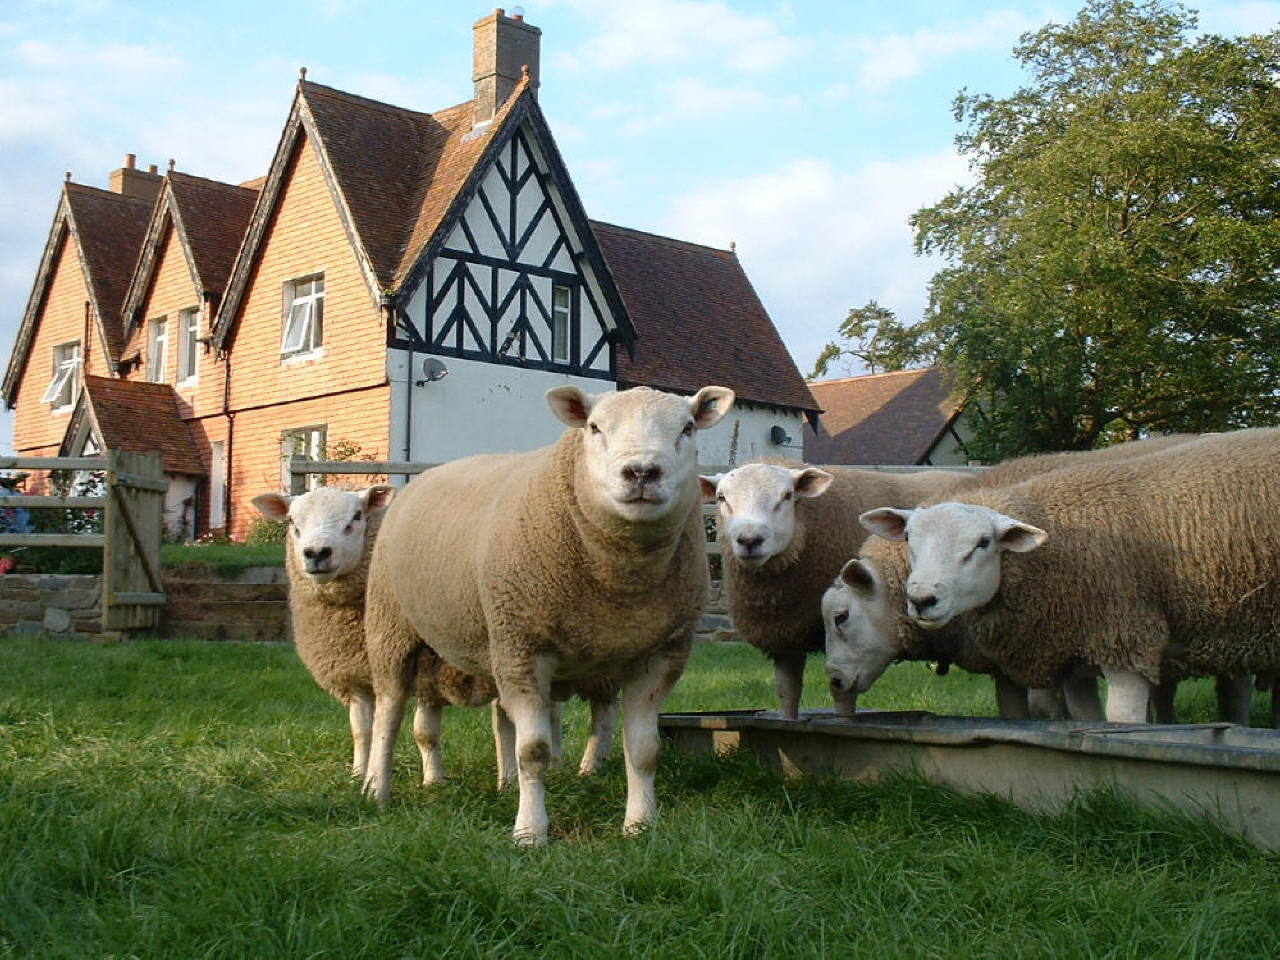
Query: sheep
(1164, 560)
(787, 530)
(331, 533)
(583, 558)
(867, 628)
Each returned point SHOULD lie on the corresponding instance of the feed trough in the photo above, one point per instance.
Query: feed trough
(1228, 772)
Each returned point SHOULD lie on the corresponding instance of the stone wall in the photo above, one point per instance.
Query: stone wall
(61, 605)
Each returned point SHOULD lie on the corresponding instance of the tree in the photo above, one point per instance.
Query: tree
(874, 335)
(1115, 268)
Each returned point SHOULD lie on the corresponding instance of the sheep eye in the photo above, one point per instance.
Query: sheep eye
(983, 543)
(786, 496)
(595, 431)
(688, 430)
(358, 517)
(842, 618)
(720, 498)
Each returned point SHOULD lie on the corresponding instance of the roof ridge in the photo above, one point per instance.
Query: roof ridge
(358, 100)
(869, 376)
(663, 237)
(101, 193)
(178, 174)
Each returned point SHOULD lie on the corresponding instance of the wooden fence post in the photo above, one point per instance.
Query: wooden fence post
(132, 592)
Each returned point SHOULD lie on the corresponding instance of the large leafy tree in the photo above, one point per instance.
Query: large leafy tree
(874, 335)
(1115, 267)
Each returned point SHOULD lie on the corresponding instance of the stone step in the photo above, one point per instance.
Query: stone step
(179, 589)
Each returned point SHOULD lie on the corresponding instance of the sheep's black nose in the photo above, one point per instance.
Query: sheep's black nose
(641, 473)
(750, 543)
(924, 602)
(318, 555)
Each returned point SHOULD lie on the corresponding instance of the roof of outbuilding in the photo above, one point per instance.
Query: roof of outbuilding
(141, 417)
(882, 418)
(698, 321)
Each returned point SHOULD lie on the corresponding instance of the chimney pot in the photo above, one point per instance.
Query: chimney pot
(152, 168)
(130, 161)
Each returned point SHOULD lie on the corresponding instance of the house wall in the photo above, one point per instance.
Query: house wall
(743, 436)
(257, 455)
(342, 387)
(37, 431)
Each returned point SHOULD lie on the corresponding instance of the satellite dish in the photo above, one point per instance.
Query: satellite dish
(433, 369)
(779, 435)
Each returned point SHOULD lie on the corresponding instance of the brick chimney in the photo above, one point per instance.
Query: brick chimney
(132, 182)
(503, 47)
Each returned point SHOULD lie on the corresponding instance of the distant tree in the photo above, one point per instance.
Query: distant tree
(1115, 268)
(874, 335)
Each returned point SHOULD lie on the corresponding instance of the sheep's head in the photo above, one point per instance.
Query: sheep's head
(326, 526)
(638, 445)
(861, 628)
(954, 550)
(757, 506)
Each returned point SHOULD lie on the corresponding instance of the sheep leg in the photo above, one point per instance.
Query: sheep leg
(1081, 694)
(428, 718)
(360, 716)
(642, 698)
(604, 717)
(526, 698)
(388, 712)
(1128, 695)
(1162, 697)
(1048, 703)
(504, 745)
(1235, 697)
(557, 732)
(788, 680)
(1011, 698)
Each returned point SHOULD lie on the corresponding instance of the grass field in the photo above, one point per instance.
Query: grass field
(184, 799)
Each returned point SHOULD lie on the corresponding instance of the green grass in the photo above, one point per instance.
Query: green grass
(228, 557)
(184, 799)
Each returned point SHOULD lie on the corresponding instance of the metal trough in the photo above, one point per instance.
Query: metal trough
(1228, 772)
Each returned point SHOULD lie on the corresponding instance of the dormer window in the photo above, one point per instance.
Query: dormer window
(65, 386)
(303, 316)
(158, 350)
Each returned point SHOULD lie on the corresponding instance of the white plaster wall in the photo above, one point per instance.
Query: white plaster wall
(478, 408)
(753, 424)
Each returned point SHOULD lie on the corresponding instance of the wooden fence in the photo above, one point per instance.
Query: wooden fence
(132, 506)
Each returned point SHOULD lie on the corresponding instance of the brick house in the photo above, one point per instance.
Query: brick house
(323, 303)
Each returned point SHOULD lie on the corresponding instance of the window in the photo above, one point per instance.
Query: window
(188, 344)
(65, 386)
(561, 301)
(308, 444)
(158, 354)
(303, 316)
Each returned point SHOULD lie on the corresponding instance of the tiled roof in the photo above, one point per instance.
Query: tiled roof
(698, 321)
(140, 417)
(882, 418)
(214, 216)
(110, 228)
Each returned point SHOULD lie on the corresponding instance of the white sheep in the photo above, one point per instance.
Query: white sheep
(786, 530)
(584, 558)
(1169, 560)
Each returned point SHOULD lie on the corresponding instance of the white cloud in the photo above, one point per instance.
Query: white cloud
(120, 60)
(817, 240)
(690, 99)
(643, 32)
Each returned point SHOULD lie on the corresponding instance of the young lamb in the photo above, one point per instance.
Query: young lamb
(585, 558)
(787, 530)
(331, 534)
(867, 628)
(1170, 560)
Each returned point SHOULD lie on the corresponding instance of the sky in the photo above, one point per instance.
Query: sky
(804, 132)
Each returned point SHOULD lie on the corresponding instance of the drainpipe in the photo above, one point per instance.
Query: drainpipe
(231, 431)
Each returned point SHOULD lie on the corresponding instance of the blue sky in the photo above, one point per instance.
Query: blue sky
(806, 132)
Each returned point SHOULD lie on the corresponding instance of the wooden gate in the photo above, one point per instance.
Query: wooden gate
(132, 591)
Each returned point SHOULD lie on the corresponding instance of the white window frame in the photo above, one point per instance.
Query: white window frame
(65, 386)
(561, 315)
(157, 349)
(310, 443)
(303, 333)
(188, 346)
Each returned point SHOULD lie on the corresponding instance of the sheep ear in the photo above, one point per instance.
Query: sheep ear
(886, 522)
(710, 485)
(709, 405)
(378, 497)
(273, 506)
(1018, 537)
(811, 482)
(570, 404)
(858, 575)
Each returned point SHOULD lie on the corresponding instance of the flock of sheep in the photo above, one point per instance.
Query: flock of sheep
(521, 580)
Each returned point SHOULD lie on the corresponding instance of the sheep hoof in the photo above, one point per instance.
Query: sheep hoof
(636, 828)
(529, 840)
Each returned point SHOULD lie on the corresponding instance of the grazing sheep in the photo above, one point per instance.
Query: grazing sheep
(867, 628)
(586, 558)
(787, 531)
(1170, 560)
(331, 534)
